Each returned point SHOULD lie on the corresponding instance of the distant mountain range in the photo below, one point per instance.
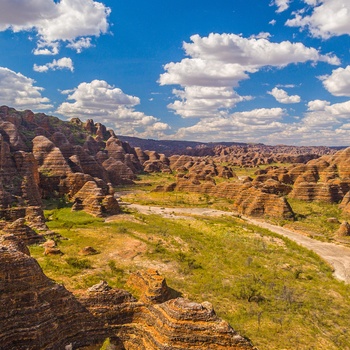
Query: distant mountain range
(194, 148)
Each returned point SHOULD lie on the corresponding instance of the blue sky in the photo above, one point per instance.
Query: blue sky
(275, 71)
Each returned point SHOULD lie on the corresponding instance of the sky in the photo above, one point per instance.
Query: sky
(269, 71)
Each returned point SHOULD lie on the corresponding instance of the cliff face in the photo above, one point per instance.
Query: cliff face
(41, 314)
(160, 320)
(44, 157)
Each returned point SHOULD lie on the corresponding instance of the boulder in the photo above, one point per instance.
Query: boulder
(344, 230)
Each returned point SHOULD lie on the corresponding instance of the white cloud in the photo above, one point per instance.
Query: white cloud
(282, 5)
(203, 101)
(246, 126)
(311, 2)
(323, 124)
(80, 44)
(282, 96)
(261, 35)
(338, 83)
(70, 21)
(286, 85)
(19, 91)
(317, 105)
(340, 110)
(111, 106)
(273, 22)
(217, 63)
(235, 49)
(62, 63)
(328, 18)
(203, 72)
(44, 48)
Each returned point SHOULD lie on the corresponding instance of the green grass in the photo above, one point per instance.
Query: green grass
(270, 289)
(312, 218)
(143, 194)
(245, 171)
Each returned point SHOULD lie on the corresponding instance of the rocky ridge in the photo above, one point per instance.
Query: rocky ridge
(43, 157)
(41, 314)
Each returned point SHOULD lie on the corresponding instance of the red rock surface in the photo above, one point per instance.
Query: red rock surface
(40, 314)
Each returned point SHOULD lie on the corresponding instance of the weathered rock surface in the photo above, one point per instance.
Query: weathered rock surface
(40, 314)
(23, 232)
(344, 230)
(41, 155)
(153, 323)
(92, 199)
(150, 286)
(249, 198)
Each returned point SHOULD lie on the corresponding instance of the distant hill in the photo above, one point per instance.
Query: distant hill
(194, 148)
(169, 147)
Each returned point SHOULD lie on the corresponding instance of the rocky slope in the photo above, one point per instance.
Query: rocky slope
(326, 179)
(41, 314)
(42, 157)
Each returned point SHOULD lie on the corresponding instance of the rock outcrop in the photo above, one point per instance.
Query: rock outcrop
(41, 314)
(344, 230)
(23, 232)
(44, 157)
(92, 199)
(157, 322)
(253, 199)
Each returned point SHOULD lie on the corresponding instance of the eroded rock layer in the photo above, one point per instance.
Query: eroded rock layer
(41, 314)
(158, 321)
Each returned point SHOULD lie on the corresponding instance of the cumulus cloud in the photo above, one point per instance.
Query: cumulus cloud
(44, 48)
(328, 18)
(204, 101)
(71, 21)
(62, 63)
(110, 105)
(219, 62)
(323, 124)
(253, 52)
(282, 96)
(338, 83)
(248, 126)
(80, 44)
(282, 5)
(19, 91)
(317, 105)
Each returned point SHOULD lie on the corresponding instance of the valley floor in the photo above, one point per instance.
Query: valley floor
(336, 255)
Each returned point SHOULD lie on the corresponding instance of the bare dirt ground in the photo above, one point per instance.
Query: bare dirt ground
(337, 256)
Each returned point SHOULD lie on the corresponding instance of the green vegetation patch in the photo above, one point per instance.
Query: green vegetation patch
(313, 218)
(268, 288)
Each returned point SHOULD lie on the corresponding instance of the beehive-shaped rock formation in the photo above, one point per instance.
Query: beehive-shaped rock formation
(39, 314)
